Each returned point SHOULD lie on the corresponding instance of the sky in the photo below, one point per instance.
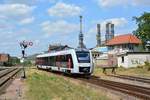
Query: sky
(45, 22)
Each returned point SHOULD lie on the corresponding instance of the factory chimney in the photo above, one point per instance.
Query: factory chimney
(81, 44)
(98, 36)
(109, 31)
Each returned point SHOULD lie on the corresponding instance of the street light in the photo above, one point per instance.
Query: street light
(24, 45)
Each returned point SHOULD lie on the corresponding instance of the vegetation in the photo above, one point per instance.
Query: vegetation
(136, 71)
(147, 65)
(12, 61)
(43, 86)
(142, 71)
(143, 30)
(27, 63)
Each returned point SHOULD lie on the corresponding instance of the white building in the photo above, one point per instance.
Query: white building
(133, 59)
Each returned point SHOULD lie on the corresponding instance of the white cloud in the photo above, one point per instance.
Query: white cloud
(13, 14)
(112, 3)
(141, 2)
(15, 9)
(27, 20)
(59, 27)
(20, 1)
(28, 2)
(118, 22)
(63, 9)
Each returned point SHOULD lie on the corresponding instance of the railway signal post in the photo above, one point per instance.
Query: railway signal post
(23, 46)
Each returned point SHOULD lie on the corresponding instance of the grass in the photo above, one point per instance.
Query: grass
(43, 86)
(136, 71)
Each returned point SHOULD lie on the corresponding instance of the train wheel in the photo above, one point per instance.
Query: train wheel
(50, 69)
(38, 68)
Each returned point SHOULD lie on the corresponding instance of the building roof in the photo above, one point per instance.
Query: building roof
(124, 39)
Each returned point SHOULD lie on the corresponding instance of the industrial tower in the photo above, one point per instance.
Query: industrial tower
(81, 44)
(109, 31)
(98, 36)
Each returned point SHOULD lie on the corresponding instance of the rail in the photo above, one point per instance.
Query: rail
(133, 78)
(137, 91)
(6, 76)
(134, 90)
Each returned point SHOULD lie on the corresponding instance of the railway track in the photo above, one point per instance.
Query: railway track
(134, 90)
(2, 69)
(6, 76)
(133, 78)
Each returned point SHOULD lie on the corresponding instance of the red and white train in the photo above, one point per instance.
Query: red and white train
(68, 61)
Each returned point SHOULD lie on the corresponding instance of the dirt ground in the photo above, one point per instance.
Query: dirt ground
(15, 90)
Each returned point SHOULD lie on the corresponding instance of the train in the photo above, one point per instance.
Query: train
(67, 61)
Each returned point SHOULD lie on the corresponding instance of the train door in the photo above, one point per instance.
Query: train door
(69, 61)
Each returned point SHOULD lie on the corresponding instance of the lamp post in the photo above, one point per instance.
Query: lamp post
(23, 46)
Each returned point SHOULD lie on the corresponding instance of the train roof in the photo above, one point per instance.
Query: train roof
(62, 52)
(56, 53)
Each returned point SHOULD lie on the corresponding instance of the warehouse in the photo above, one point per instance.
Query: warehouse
(4, 58)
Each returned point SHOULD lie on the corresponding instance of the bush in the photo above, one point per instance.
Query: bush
(147, 65)
(139, 66)
(27, 63)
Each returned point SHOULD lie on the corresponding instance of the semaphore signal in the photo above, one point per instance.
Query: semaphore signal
(24, 44)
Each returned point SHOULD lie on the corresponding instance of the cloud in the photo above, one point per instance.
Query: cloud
(27, 21)
(58, 27)
(141, 2)
(113, 3)
(118, 22)
(13, 14)
(63, 10)
(28, 2)
(15, 9)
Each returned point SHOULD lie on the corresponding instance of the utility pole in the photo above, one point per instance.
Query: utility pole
(23, 46)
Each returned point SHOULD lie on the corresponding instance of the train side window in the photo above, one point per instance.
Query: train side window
(46, 60)
(52, 61)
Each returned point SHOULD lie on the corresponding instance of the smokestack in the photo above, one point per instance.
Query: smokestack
(109, 31)
(108, 28)
(98, 36)
(112, 31)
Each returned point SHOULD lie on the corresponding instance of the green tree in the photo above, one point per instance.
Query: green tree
(143, 30)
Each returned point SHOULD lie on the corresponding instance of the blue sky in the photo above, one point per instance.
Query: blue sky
(46, 22)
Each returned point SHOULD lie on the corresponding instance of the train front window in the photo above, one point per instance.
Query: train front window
(83, 57)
